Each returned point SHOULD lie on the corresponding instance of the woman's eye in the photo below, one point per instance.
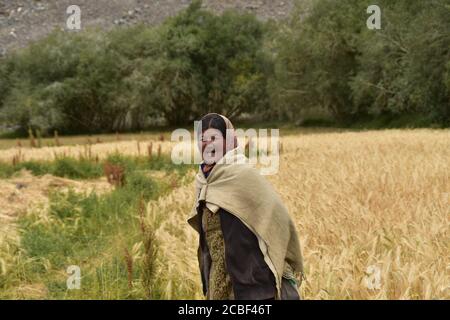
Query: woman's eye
(208, 139)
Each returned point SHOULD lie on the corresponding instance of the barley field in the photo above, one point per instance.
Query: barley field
(377, 199)
(372, 210)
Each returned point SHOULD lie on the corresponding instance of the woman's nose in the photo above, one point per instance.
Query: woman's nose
(205, 144)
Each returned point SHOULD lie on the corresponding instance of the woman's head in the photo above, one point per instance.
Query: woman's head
(216, 137)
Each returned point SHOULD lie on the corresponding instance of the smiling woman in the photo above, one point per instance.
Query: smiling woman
(248, 245)
(214, 139)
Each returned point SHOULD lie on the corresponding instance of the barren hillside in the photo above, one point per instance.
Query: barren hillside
(23, 21)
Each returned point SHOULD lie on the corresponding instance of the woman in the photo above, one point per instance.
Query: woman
(248, 247)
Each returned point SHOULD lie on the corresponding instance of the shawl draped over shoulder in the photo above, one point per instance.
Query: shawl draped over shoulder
(238, 188)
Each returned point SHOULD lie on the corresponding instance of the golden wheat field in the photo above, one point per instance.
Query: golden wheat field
(372, 210)
(377, 199)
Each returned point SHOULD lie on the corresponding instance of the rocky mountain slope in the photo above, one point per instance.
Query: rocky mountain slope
(22, 21)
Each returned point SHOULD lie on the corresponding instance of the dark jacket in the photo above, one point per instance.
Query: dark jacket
(250, 276)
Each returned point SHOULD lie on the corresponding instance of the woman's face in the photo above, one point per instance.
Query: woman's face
(212, 145)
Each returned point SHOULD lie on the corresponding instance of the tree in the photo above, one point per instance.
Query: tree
(94, 81)
(209, 63)
(317, 56)
(403, 66)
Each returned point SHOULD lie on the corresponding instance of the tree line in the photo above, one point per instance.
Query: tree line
(322, 58)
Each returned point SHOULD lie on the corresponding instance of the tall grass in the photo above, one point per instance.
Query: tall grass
(102, 234)
(83, 168)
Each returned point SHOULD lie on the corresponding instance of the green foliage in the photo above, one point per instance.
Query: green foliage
(84, 168)
(37, 168)
(76, 169)
(139, 184)
(328, 58)
(204, 63)
(94, 81)
(62, 167)
(82, 228)
(96, 233)
(318, 57)
(403, 66)
(6, 170)
(131, 164)
(324, 58)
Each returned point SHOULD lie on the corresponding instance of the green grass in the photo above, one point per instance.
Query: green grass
(84, 229)
(63, 167)
(94, 232)
(89, 169)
